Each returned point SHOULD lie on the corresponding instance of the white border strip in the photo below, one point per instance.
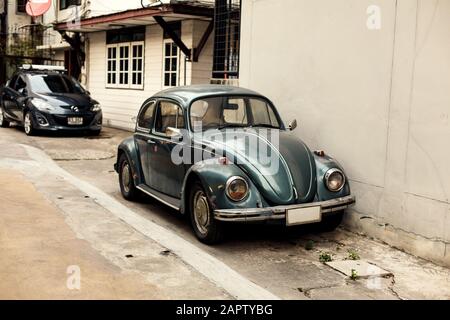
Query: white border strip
(215, 270)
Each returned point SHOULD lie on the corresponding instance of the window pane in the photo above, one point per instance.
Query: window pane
(169, 115)
(167, 65)
(235, 112)
(174, 79)
(146, 117)
(167, 79)
(167, 49)
(174, 50)
(174, 65)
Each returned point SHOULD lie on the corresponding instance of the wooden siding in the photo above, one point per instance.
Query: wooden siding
(121, 105)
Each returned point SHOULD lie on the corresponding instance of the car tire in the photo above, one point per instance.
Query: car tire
(206, 228)
(3, 122)
(127, 185)
(95, 133)
(28, 124)
(331, 223)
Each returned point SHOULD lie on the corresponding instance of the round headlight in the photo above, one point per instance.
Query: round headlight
(335, 180)
(237, 189)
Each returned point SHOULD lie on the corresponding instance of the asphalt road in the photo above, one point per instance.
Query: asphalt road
(285, 262)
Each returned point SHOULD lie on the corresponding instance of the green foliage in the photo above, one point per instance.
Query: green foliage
(354, 275)
(325, 257)
(309, 245)
(353, 255)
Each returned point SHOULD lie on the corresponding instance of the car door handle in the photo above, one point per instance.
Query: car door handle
(151, 142)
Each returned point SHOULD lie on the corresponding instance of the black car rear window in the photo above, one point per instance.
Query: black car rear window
(44, 83)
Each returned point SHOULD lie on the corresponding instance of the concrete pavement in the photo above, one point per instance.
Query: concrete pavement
(284, 263)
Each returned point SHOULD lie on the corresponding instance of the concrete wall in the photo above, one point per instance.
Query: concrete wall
(16, 19)
(120, 105)
(377, 100)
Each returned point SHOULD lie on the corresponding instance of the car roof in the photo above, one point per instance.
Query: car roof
(185, 95)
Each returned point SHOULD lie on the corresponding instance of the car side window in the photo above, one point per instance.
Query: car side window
(20, 85)
(12, 82)
(168, 115)
(146, 116)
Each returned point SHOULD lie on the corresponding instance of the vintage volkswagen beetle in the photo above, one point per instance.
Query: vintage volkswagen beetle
(217, 180)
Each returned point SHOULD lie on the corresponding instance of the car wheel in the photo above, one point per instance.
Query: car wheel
(331, 222)
(95, 133)
(127, 186)
(3, 122)
(207, 229)
(28, 124)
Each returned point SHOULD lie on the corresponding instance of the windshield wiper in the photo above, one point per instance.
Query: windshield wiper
(265, 126)
(229, 125)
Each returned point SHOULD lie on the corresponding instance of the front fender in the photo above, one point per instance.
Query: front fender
(128, 147)
(214, 176)
(323, 164)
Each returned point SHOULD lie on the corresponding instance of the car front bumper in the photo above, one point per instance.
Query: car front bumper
(59, 122)
(281, 212)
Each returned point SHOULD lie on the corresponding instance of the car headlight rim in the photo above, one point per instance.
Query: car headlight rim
(236, 198)
(96, 107)
(42, 105)
(328, 177)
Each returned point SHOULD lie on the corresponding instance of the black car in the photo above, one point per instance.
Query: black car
(41, 98)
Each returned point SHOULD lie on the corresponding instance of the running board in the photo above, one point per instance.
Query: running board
(163, 198)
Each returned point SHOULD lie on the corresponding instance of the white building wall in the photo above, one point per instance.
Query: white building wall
(121, 105)
(15, 19)
(377, 100)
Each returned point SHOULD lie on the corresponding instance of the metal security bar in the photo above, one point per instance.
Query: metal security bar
(227, 39)
(30, 44)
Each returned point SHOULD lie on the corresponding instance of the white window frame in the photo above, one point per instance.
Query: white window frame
(129, 72)
(164, 64)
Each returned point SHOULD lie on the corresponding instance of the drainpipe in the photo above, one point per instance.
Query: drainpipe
(3, 37)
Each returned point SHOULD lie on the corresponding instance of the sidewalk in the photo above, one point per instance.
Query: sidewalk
(37, 248)
(52, 219)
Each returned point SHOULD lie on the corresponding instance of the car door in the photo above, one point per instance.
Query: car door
(143, 137)
(22, 90)
(9, 96)
(165, 175)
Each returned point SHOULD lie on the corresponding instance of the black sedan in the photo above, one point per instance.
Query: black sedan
(47, 100)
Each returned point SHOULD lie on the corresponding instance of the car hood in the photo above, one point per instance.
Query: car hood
(278, 163)
(68, 99)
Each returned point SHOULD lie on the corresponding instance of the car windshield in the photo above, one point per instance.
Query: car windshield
(55, 83)
(232, 112)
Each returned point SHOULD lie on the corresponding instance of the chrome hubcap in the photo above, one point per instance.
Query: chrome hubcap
(27, 123)
(126, 179)
(201, 212)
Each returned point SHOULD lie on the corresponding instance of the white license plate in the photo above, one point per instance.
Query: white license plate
(74, 121)
(304, 216)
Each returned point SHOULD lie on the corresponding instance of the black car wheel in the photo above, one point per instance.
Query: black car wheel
(207, 229)
(331, 222)
(28, 124)
(95, 133)
(3, 122)
(127, 186)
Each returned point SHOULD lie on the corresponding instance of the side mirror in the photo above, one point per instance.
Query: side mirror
(293, 125)
(174, 133)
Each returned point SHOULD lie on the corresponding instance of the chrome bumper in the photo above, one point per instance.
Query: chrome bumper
(279, 213)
